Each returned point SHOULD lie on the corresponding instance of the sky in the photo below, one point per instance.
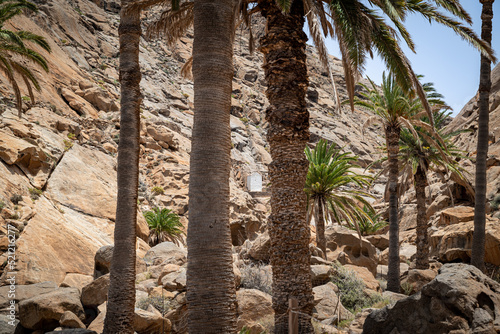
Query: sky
(451, 63)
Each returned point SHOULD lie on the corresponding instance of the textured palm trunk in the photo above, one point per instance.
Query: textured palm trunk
(211, 294)
(478, 240)
(283, 47)
(422, 257)
(320, 227)
(392, 139)
(121, 295)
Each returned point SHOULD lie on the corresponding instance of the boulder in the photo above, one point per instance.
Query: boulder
(175, 281)
(455, 215)
(30, 158)
(70, 320)
(146, 322)
(366, 276)
(79, 104)
(76, 281)
(25, 292)
(320, 274)
(165, 253)
(454, 242)
(103, 256)
(381, 241)
(347, 248)
(253, 305)
(417, 278)
(96, 292)
(461, 299)
(7, 324)
(100, 99)
(260, 248)
(328, 304)
(44, 311)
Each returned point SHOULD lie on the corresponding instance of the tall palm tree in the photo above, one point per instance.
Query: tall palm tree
(417, 156)
(13, 49)
(395, 110)
(121, 295)
(327, 187)
(211, 294)
(478, 239)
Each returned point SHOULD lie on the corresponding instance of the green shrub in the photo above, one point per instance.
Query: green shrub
(67, 144)
(255, 276)
(71, 136)
(35, 193)
(351, 290)
(2, 205)
(164, 225)
(16, 198)
(495, 203)
(158, 190)
(160, 303)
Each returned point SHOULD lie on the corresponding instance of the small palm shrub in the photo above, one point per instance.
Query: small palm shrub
(164, 225)
(369, 226)
(352, 290)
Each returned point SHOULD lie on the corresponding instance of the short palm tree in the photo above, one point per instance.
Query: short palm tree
(14, 51)
(417, 156)
(396, 110)
(329, 190)
(164, 225)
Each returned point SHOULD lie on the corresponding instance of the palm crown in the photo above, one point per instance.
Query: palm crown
(164, 225)
(13, 50)
(329, 183)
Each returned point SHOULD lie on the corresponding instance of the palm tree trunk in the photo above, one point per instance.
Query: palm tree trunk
(211, 294)
(121, 295)
(320, 228)
(478, 240)
(422, 258)
(392, 139)
(283, 47)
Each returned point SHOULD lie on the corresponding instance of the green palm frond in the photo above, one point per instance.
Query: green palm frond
(332, 180)
(164, 225)
(14, 45)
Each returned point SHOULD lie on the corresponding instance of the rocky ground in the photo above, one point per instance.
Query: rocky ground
(58, 183)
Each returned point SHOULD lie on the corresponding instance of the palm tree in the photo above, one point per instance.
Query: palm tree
(395, 110)
(211, 294)
(329, 176)
(417, 156)
(121, 295)
(13, 50)
(164, 225)
(478, 240)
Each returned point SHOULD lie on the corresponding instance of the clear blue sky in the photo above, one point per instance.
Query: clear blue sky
(442, 57)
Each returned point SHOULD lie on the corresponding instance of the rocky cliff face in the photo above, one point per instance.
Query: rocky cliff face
(58, 180)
